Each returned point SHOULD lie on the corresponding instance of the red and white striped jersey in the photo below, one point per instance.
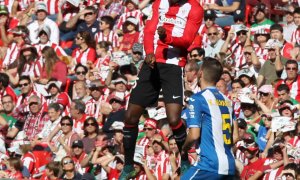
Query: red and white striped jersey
(181, 22)
(294, 88)
(12, 54)
(31, 70)
(162, 165)
(238, 56)
(296, 36)
(112, 37)
(272, 174)
(52, 6)
(83, 57)
(137, 14)
(59, 50)
(261, 53)
(92, 107)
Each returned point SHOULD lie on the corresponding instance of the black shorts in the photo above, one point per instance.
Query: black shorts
(167, 77)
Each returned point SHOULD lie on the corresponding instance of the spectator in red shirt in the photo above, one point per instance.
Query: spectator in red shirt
(54, 67)
(255, 167)
(5, 88)
(131, 34)
(13, 171)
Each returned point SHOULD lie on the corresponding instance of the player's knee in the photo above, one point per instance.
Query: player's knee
(174, 121)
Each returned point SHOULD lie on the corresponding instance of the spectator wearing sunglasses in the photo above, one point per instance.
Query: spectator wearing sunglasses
(27, 90)
(79, 157)
(69, 170)
(150, 128)
(31, 122)
(292, 80)
(63, 145)
(91, 130)
(215, 42)
(265, 99)
(197, 54)
(235, 42)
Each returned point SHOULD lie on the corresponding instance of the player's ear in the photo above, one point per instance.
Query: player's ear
(200, 73)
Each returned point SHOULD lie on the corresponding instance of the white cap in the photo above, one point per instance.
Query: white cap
(41, 6)
(246, 72)
(56, 83)
(74, 2)
(46, 29)
(132, 20)
(117, 125)
(272, 43)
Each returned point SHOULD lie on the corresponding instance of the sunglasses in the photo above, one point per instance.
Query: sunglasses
(65, 124)
(264, 94)
(241, 33)
(33, 103)
(79, 38)
(81, 72)
(23, 85)
(210, 34)
(138, 53)
(88, 14)
(293, 69)
(90, 124)
(148, 129)
(288, 174)
(115, 101)
(68, 162)
(194, 55)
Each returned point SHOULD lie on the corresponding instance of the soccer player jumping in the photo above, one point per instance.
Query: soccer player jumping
(169, 31)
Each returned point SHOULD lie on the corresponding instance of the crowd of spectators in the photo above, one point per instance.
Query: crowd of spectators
(67, 68)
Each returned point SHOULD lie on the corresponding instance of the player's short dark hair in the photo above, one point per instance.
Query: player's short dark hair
(200, 51)
(283, 87)
(211, 70)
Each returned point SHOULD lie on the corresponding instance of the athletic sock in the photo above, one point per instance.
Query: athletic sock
(179, 132)
(129, 141)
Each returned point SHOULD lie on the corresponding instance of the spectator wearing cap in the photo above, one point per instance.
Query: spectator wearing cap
(19, 38)
(6, 23)
(113, 172)
(107, 34)
(56, 96)
(215, 42)
(250, 113)
(234, 50)
(117, 102)
(79, 157)
(137, 55)
(282, 92)
(89, 22)
(246, 138)
(289, 27)
(44, 35)
(276, 31)
(261, 12)
(131, 34)
(265, 100)
(248, 78)
(150, 128)
(253, 63)
(260, 40)
(93, 105)
(255, 168)
(120, 85)
(273, 67)
(227, 8)
(53, 68)
(110, 8)
(191, 77)
(40, 22)
(292, 80)
(54, 113)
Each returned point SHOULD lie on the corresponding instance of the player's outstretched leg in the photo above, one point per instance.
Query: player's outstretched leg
(130, 131)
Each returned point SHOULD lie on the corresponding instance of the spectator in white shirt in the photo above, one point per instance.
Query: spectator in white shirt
(214, 47)
(41, 21)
